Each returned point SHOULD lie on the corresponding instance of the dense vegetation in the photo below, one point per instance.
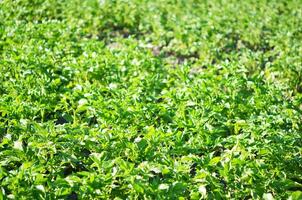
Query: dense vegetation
(161, 99)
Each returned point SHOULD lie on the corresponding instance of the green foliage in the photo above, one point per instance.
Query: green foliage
(161, 99)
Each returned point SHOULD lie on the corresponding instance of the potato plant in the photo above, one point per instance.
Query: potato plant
(161, 99)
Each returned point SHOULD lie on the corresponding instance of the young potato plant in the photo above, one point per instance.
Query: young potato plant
(162, 99)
